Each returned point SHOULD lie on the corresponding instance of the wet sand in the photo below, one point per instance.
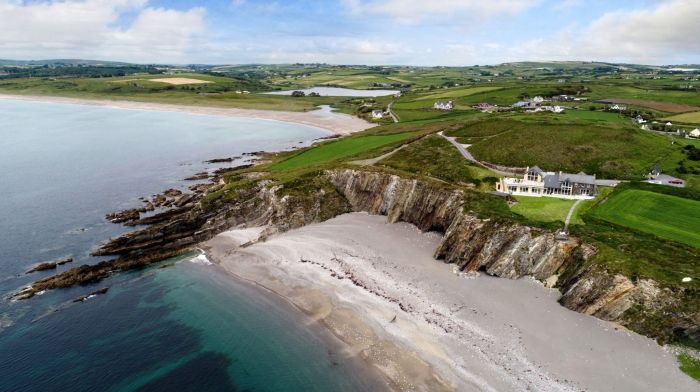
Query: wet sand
(337, 123)
(377, 288)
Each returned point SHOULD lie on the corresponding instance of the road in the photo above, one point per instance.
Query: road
(571, 212)
(466, 154)
(393, 116)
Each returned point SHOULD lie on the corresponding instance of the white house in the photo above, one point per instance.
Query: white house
(695, 133)
(536, 182)
(640, 120)
(555, 109)
(618, 107)
(537, 99)
(669, 124)
(443, 105)
(377, 113)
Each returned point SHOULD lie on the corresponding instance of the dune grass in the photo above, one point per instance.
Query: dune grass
(665, 216)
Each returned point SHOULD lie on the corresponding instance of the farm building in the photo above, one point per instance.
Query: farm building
(536, 182)
(695, 133)
(377, 113)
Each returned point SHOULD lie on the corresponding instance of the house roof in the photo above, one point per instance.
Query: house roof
(581, 178)
(536, 169)
(552, 180)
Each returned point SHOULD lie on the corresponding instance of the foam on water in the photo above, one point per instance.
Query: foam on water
(201, 259)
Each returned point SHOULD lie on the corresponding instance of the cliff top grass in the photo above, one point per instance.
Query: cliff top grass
(435, 157)
(339, 149)
(689, 365)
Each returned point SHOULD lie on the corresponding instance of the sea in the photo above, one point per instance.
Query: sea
(188, 327)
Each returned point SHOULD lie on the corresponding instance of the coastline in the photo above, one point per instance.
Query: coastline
(377, 288)
(324, 118)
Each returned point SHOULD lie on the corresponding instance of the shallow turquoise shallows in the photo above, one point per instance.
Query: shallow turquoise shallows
(189, 327)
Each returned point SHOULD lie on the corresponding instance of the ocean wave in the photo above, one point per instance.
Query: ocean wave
(201, 259)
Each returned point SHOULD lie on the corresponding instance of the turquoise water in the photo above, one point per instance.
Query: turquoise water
(187, 327)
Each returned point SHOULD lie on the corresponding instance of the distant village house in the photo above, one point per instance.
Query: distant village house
(485, 107)
(443, 105)
(536, 182)
(377, 114)
(695, 133)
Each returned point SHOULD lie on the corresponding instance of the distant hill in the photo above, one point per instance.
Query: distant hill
(59, 62)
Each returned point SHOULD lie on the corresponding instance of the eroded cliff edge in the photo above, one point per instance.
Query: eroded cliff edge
(497, 247)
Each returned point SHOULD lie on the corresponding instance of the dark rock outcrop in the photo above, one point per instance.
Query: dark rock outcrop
(198, 176)
(47, 265)
(498, 248)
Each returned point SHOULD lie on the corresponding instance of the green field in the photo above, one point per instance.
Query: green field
(339, 149)
(596, 116)
(543, 209)
(456, 93)
(608, 151)
(692, 117)
(665, 216)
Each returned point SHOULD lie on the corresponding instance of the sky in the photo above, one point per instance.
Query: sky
(373, 32)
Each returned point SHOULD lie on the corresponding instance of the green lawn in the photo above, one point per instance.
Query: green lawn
(665, 216)
(543, 209)
(339, 149)
(690, 366)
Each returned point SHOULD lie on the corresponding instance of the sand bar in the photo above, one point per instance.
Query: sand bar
(337, 123)
(425, 327)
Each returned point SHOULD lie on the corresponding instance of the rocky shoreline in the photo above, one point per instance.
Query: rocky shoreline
(500, 249)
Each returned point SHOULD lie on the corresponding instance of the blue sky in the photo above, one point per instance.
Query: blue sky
(413, 32)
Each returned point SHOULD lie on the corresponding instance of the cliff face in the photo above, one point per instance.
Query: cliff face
(500, 249)
(505, 250)
(512, 251)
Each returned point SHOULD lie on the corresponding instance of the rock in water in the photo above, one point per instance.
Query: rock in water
(123, 216)
(42, 267)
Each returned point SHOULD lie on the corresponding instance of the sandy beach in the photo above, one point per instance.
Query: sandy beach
(337, 123)
(425, 327)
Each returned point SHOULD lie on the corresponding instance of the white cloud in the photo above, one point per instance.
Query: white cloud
(88, 29)
(668, 30)
(415, 11)
(663, 34)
